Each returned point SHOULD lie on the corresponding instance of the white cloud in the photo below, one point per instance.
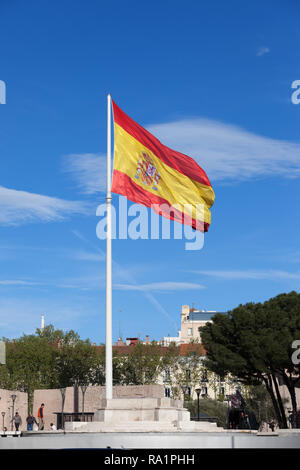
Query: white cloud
(224, 151)
(89, 256)
(262, 51)
(88, 170)
(159, 286)
(271, 274)
(85, 283)
(228, 152)
(17, 282)
(17, 207)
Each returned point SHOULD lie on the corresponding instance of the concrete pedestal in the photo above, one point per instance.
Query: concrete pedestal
(142, 415)
(121, 410)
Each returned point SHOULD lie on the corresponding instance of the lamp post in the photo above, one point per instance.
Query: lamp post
(83, 390)
(3, 415)
(228, 397)
(63, 396)
(13, 397)
(258, 403)
(198, 391)
(267, 418)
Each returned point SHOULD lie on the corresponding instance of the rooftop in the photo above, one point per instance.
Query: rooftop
(181, 350)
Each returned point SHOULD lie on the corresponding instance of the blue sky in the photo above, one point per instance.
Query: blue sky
(210, 79)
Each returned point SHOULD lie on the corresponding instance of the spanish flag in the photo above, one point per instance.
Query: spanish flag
(149, 173)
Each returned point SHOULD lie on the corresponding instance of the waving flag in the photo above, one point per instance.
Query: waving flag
(149, 173)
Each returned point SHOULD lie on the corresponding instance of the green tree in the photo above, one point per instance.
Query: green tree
(29, 365)
(253, 342)
(211, 408)
(140, 366)
(58, 337)
(183, 368)
(50, 359)
(259, 402)
(76, 364)
(186, 372)
(285, 309)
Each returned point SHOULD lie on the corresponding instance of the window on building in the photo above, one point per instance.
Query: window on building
(204, 391)
(204, 376)
(167, 375)
(190, 331)
(167, 392)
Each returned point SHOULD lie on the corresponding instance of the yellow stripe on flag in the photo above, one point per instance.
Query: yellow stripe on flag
(173, 186)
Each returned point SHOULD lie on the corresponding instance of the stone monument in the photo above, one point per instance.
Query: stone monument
(142, 415)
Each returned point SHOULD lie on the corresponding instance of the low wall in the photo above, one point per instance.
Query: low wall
(92, 399)
(6, 406)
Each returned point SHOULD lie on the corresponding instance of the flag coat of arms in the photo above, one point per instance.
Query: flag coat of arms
(147, 172)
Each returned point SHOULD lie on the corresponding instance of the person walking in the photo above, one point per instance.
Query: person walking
(292, 419)
(30, 422)
(41, 417)
(18, 421)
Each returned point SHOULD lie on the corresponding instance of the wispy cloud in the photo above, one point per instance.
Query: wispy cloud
(228, 152)
(125, 275)
(262, 51)
(271, 274)
(18, 207)
(159, 286)
(85, 283)
(88, 170)
(88, 256)
(17, 282)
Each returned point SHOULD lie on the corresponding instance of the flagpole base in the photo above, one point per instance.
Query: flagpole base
(142, 415)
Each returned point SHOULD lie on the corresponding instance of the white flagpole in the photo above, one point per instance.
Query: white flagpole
(108, 344)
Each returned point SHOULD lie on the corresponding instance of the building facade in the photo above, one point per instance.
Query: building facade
(190, 321)
(189, 373)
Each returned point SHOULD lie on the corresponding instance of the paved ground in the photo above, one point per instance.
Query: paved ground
(223, 440)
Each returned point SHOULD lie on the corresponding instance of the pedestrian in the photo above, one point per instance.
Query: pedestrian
(41, 417)
(292, 419)
(30, 422)
(272, 425)
(18, 421)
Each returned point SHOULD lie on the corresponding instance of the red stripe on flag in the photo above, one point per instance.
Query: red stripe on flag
(180, 162)
(123, 184)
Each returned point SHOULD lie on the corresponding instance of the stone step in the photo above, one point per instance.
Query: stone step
(143, 426)
(137, 426)
(195, 426)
